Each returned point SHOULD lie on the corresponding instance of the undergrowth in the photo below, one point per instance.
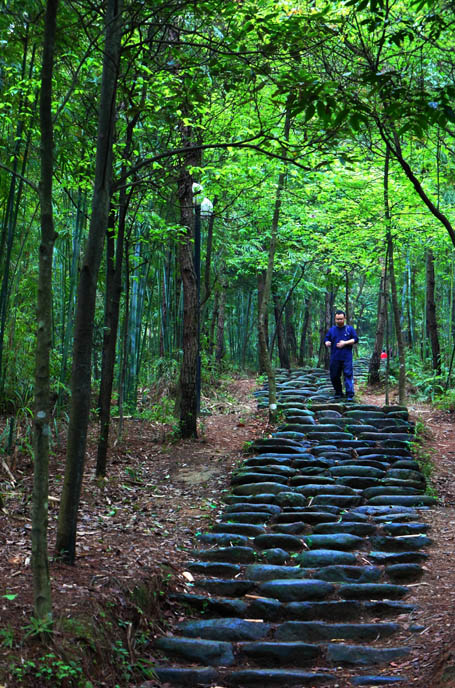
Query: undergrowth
(112, 643)
(424, 455)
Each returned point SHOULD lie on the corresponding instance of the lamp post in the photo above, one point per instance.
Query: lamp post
(203, 207)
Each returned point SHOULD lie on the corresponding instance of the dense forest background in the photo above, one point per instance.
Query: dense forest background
(192, 188)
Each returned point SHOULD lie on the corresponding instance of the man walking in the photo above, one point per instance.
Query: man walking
(341, 338)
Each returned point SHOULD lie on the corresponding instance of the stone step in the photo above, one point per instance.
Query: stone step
(186, 676)
(311, 631)
(208, 652)
(277, 677)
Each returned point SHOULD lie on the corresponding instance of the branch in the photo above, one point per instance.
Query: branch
(395, 149)
(20, 176)
(209, 146)
(288, 296)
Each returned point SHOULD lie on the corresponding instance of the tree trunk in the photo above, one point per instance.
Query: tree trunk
(283, 353)
(246, 333)
(188, 371)
(220, 348)
(164, 310)
(82, 350)
(326, 322)
(375, 360)
(124, 341)
(40, 563)
(432, 325)
(213, 322)
(206, 287)
(262, 334)
(114, 265)
(268, 281)
(409, 308)
(79, 223)
(291, 339)
(346, 295)
(261, 350)
(354, 316)
(305, 333)
(393, 287)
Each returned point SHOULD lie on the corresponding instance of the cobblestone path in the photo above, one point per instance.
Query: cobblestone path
(302, 580)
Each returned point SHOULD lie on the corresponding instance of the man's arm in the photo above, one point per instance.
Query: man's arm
(345, 342)
(348, 342)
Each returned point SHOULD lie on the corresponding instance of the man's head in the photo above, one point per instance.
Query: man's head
(340, 318)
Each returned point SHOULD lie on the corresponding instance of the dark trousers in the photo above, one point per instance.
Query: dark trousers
(336, 368)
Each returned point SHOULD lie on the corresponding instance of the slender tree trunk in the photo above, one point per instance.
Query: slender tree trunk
(303, 349)
(268, 281)
(326, 321)
(134, 331)
(40, 564)
(79, 222)
(82, 351)
(163, 313)
(375, 360)
(206, 287)
(124, 342)
(387, 330)
(220, 348)
(354, 315)
(114, 265)
(309, 338)
(213, 322)
(283, 353)
(393, 287)
(410, 304)
(262, 334)
(291, 339)
(346, 296)
(432, 325)
(262, 350)
(246, 333)
(188, 371)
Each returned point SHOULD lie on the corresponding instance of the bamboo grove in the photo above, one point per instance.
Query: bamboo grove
(194, 187)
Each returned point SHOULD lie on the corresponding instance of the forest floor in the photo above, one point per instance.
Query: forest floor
(134, 536)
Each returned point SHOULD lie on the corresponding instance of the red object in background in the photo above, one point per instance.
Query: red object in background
(383, 355)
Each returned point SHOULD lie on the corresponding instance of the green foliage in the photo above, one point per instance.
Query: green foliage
(7, 637)
(445, 400)
(38, 627)
(427, 385)
(9, 596)
(162, 411)
(132, 667)
(424, 457)
(49, 670)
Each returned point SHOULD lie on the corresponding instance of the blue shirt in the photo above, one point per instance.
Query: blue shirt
(336, 334)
